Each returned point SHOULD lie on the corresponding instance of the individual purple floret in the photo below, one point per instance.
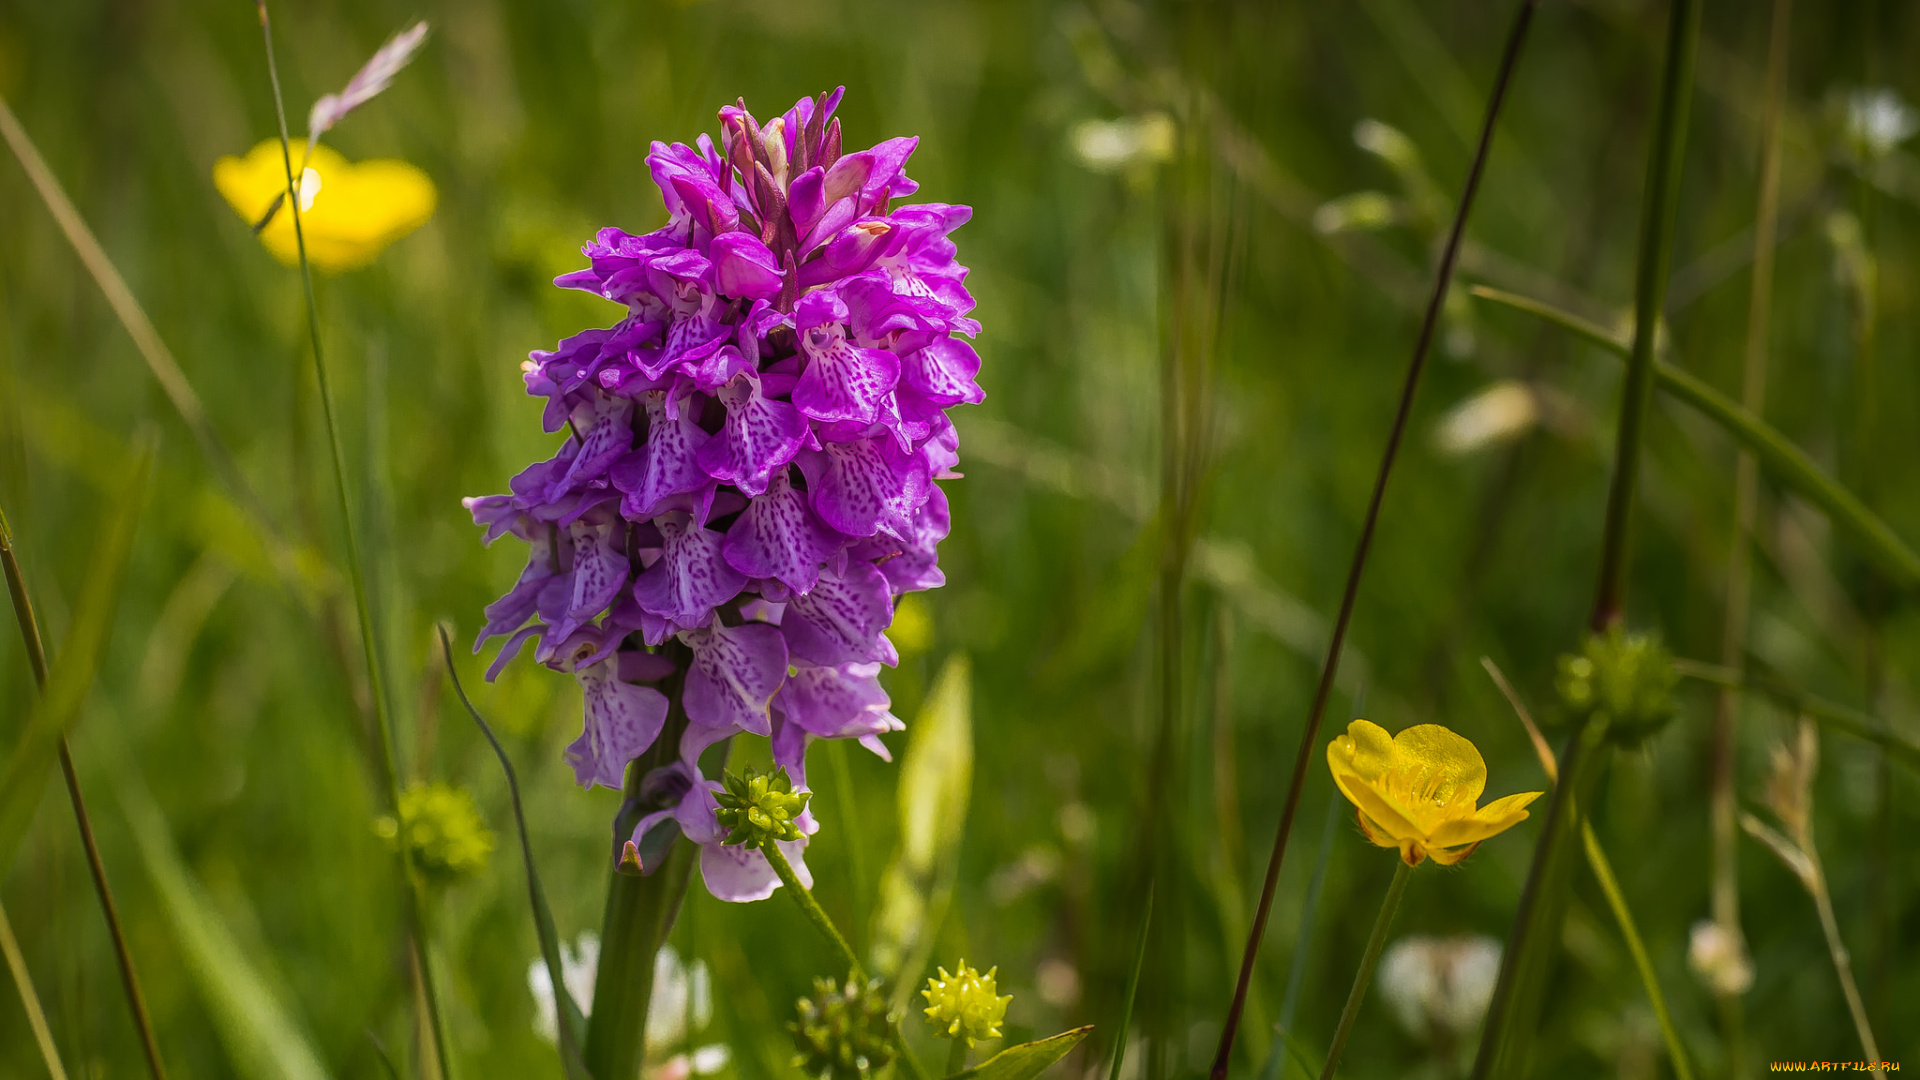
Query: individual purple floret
(747, 482)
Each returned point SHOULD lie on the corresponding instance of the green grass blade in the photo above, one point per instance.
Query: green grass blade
(936, 780)
(30, 999)
(1026, 1061)
(1133, 987)
(71, 676)
(1831, 714)
(260, 1033)
(1787, 462)
(1617, 900)
(573, 1024)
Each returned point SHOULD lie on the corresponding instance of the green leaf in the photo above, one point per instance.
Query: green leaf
(573, 1023)
(1787, 462)
(1026, 1061)
(74, 665)
(936, 777)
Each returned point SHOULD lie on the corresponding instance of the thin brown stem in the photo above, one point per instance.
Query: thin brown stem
(123, 955)
(1443, 277)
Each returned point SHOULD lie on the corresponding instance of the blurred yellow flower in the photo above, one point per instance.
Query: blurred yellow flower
(349, 212)
(1417, 790)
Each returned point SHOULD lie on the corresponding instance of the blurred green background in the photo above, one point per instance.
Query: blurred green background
(1096, 141)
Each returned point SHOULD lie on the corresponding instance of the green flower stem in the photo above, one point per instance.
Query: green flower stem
(413, 889)
(1525, 965)
(1787, 462)
(1660, 205)
(1617, 900)
(957, 1055)
(123, 954)
(811, 908)
(1368, 961)
(817, 915)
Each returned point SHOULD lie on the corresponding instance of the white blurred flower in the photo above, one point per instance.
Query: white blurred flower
(577, 970)
(682, 1005)
(1496, 413)
(1719, 959)
(1111, 145)
(1878, 121)
(1440, 986)
(1388, 143)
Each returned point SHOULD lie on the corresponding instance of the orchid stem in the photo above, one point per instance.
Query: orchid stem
(1310, 735)
(1368, 961)
(412, 887)
(123, 954)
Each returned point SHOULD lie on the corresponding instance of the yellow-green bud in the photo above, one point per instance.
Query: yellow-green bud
(442, 828)
(759, 807)
(963, 1006)
(842, 1031)
(1625, 680)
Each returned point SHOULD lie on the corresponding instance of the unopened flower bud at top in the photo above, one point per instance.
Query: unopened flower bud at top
(842, 1031)
(440, 824)
(964, 1005)
(1623, 679)
(759, 807)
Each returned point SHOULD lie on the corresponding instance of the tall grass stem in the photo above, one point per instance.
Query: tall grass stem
(1309, 737)
(1723, 810)
(1660, 205)
(1370, 959)
(412, 886)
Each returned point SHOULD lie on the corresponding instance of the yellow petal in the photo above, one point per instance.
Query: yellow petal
(1358, 761)
(1440, 765)
(1490, 820)
(360, 208)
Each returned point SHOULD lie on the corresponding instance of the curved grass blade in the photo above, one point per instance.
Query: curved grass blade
(573, 1024)
(71, 676)
(1026, 1061)
(1776, 452)
(1831, 714)
(259, 1031)
(29, 1000)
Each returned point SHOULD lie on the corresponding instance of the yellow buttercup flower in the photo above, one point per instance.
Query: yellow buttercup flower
(1417, 791)
(349, 212)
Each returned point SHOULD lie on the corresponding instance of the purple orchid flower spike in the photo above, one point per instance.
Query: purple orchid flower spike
(749, 461)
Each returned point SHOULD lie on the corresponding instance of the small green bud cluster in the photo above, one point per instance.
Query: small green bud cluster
(759, 807)
(442, 828)
(1625, 680)
(842, 1032)
(964, 1005)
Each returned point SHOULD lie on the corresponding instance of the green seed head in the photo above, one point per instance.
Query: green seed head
(759, 808)
(841, 1032)
(964, 1005)
(1624, 679)
(442, 827)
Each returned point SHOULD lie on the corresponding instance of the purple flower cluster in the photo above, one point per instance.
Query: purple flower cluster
(748, 478)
